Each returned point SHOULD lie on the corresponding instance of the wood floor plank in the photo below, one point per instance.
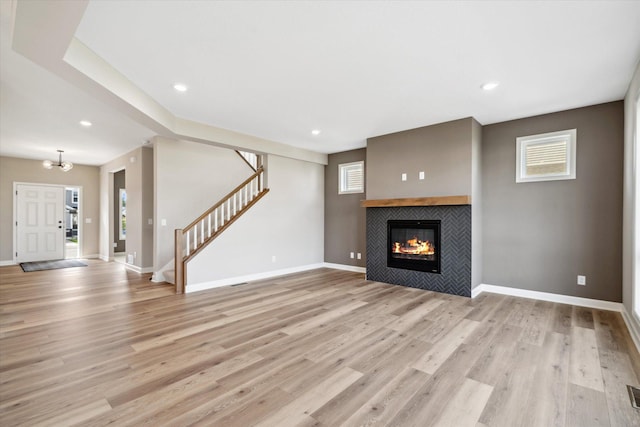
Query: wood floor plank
(297, 412)
(548, 397)
(382, 407)
(466, 405)
(585, 369)
(101, 345)
(616, 374)
(442, 349)
(508, 403)
(587, 407)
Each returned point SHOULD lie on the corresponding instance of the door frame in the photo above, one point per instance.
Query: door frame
(15, 215)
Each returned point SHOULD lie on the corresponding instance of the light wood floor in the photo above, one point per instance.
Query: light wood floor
(100, 346)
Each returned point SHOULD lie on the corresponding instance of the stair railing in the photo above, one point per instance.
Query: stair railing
(252, 159)
(197, 235)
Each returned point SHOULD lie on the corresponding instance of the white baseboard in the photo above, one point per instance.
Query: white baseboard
(353, 268)
(633, 325)
(105, 258)
(248, 278)
(137, 269)
(158, 277)
(91, 256)
(547, 296)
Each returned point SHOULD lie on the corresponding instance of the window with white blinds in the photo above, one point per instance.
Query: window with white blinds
(546, 157)
(351, 178)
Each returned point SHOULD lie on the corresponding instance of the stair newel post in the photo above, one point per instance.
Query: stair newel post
(179, 263)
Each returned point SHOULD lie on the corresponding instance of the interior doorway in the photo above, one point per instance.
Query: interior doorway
(119, 216)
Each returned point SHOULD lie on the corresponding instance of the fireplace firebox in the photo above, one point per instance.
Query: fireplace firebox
(414, 245)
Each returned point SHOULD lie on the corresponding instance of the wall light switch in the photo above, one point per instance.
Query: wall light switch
(87, 220)
(582, 280)
(421, 175)
(404, 176)
(351, 255)
(359, 255)
(150, 221)
(163, 222)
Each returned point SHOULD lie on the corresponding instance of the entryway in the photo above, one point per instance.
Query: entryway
(39, 226)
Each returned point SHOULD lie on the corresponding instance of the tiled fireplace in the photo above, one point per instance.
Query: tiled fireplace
(454, 247)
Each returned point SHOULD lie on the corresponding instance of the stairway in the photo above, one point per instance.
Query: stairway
(201, 232)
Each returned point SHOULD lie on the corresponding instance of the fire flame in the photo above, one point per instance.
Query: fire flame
(415, 247)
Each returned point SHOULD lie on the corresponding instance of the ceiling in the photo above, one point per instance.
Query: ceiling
(276, 70)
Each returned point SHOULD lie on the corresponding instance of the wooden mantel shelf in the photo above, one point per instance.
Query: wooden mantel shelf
(417, 201)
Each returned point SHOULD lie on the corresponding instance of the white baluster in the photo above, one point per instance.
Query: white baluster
(188, 247)
(202, 232)
(209, 226)
(215, 220)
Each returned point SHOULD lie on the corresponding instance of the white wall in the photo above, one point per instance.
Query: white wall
(631, 170)
(190, 177)
(287, 223)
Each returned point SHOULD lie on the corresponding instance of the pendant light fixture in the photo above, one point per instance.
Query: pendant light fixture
(64, 166)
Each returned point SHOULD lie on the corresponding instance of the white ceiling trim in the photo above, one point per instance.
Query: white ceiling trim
(67, 57)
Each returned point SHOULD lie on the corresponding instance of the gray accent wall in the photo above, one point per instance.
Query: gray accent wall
(442, 151)
(449, 154)
(344, 218)
(540, 235)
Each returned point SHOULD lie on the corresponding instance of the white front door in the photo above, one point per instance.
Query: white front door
(40, 232)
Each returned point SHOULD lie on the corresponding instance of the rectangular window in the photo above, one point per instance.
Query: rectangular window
(351, 178)
(546, 157)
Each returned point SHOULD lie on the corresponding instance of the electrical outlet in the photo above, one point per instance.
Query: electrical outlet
(150, 221)
(351, 255)
(359, 255)
(421, 175)
(404, 178)
(582, 280)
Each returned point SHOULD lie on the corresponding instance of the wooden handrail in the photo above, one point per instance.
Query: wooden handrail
(224, 227)
(182, 236)
(222, 201)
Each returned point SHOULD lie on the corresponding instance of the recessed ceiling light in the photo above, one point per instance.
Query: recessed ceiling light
(180, 87)
(85, 123)
(315, 132)
(490, 85)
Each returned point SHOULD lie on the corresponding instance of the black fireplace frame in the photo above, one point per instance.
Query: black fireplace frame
(428, 266)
